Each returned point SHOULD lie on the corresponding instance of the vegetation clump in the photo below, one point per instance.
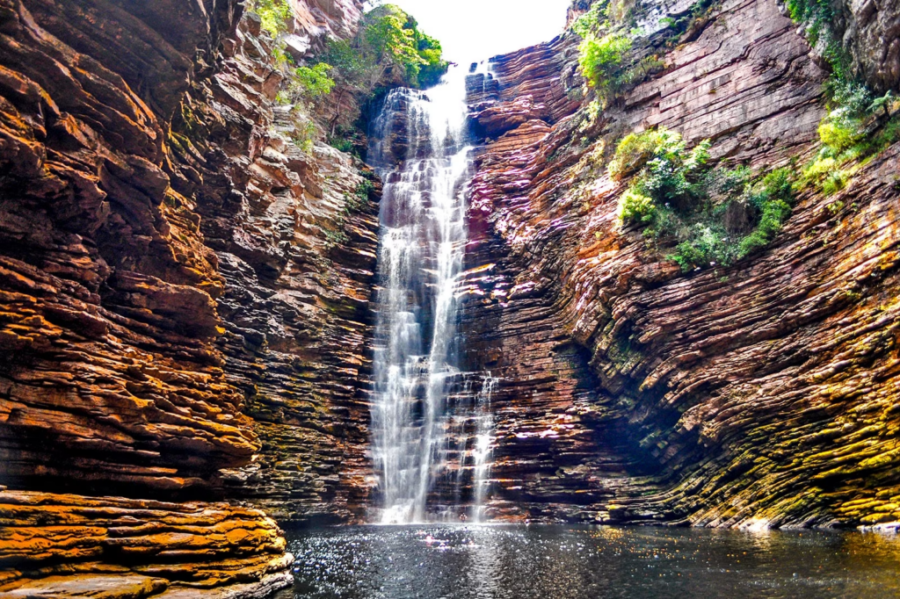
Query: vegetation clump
(856, 128)
(313, 82)
(710, 217)
(274, 15)
(388, 50)
(859, 124)
(604, 52)
(602, 61)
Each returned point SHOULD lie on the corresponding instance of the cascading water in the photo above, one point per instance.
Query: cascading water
(481, 452)
(423, 233)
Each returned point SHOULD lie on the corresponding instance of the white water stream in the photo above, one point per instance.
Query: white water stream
(423, 232)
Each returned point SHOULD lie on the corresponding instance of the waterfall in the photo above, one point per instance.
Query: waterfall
(423, 236)
(481, 453)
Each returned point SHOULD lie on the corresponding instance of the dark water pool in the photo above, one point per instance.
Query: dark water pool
(550, 562)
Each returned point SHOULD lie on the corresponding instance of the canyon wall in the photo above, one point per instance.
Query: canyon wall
(761, 394)
(186, 289)
(184, 302)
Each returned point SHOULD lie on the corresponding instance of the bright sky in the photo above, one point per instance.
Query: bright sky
(474, 30)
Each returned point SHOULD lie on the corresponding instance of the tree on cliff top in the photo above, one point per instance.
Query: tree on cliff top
(388, 50)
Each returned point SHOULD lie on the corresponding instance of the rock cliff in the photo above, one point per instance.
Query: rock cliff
(184, 301)
(759, 394)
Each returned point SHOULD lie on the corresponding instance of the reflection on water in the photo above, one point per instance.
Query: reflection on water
(523, 562)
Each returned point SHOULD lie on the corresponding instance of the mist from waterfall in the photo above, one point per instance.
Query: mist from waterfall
(423, 236)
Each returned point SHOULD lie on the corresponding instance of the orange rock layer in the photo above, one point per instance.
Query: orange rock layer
(61, 545)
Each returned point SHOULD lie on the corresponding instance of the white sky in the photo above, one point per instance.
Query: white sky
(474, 30)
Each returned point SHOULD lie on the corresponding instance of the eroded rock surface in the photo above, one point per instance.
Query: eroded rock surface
(184, 299)
(870, 31)
(764, 393)
(295, 237)
(74, 546)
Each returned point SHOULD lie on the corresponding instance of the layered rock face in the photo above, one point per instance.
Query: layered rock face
(295, 236)
(70, 545)
(761, 393)
(184, 301)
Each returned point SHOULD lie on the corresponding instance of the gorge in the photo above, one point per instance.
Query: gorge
(645, 273)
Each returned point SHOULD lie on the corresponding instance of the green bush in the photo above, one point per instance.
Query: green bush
(602, 61)
(706, 244)
(304, 135)
(774, 213)
(275, 15)
(637, 208)
(591, 20)
(389, 37)
(635, 149)
(314, 82)
(669, 174)
(342, 144)
(711, 217)
(858, 125)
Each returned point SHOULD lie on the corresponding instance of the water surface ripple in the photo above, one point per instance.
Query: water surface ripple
(571, 562)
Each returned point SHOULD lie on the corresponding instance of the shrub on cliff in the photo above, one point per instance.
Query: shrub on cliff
(388, 50)
(709, 217)
(274, 14)
(857, 126)
(313, 82)
(670, 176)
(603, 65)
(635, 149)
(393, 39)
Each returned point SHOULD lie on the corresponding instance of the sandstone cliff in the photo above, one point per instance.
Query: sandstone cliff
(762, 393)
(184, 300)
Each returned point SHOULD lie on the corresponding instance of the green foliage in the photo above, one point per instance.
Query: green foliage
(818, 16)
(587, 23)
(388, 50)
(275, 15)
(352, 202)
(304, 135)
(602, 63)
(359, 197)
(314, 82)
(858, 125)
(774, 213)
(342, 144)
(706, 244)
(711, 217)
(635, 149)
(670, 175)
(637, 208)
(390, 38)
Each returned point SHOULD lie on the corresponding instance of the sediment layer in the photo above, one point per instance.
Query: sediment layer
(760, 393)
